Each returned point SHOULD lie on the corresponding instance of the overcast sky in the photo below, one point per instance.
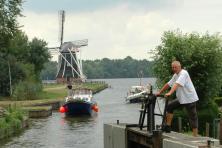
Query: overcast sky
(119, 28)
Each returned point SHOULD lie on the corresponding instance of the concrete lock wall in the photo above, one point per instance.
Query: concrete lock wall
(114, 136)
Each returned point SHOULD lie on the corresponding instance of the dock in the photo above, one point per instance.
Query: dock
(121, 136)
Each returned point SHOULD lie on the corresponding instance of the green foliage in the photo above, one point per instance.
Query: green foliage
(19, 46)
(218, 101)
(17, 74)
(12, 122)
(27, 90)
(39, 55)
(16, 51)
(200, 55)
(9, 11)
(207, 114)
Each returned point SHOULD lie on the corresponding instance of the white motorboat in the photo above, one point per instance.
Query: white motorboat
(136, 93)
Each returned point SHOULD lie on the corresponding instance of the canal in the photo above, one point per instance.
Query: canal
(82, 132)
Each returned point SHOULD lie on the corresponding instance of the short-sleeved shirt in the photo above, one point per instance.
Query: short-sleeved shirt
(186, 92)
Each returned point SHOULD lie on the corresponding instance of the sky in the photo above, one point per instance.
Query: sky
(116, 29)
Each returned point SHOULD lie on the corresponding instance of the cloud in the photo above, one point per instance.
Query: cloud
(124, 29)
(113, 33)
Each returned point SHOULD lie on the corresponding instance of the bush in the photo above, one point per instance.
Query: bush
(27, 91)
(218, 101)
(12, 122)
(207, 115)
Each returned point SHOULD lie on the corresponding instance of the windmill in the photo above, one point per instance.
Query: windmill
(69, 60)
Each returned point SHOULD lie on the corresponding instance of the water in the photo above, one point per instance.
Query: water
(57, 131)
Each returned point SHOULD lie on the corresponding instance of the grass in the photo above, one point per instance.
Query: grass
(12, 121)
(45, 86)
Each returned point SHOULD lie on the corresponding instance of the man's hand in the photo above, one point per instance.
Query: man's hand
(173, 89)
(157, 94)
(168, 94)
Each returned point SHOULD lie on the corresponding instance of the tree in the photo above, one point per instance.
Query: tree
(38, 55)
(200, 55)
(9, 11)
(19, 46)
(16, 73)
(16, 52)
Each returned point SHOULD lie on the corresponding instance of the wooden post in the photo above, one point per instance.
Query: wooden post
(157, 139)
(218, 131)
(221, 130)
(207, 129)
(179, 124)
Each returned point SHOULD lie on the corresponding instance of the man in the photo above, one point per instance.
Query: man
(69, 86)
(186, 97)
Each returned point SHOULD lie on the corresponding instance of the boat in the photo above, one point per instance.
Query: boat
(136, 93)
(79, 102)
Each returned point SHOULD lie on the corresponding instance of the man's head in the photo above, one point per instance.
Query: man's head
(176, 67)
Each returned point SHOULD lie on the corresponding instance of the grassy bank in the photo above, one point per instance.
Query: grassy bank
(12, 122)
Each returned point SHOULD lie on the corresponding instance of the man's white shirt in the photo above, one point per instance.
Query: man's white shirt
(186, 92)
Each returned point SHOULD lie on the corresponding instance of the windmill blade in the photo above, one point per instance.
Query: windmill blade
(76, 62)
(80, 43)
(61, 26)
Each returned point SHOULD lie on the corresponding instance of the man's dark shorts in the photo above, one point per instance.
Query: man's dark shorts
(191, 110)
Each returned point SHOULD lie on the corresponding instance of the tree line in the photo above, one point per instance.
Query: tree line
(107, 68)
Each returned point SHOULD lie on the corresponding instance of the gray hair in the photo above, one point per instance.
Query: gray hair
(176, 63)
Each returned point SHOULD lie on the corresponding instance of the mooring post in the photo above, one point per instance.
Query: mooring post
(157, 139)
(207, 129)
(179, 124)
(117, 122)
(221, 130)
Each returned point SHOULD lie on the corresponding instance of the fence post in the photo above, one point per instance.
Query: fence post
(207, 129)
(218, 131)
(221, 130)
(179, 124)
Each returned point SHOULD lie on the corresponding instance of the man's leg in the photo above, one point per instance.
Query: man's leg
(191, 109)
(169, 118)
(169, 115)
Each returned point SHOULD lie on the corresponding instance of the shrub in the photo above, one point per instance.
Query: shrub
(12, 122)
(218, 101)
(27, 91)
